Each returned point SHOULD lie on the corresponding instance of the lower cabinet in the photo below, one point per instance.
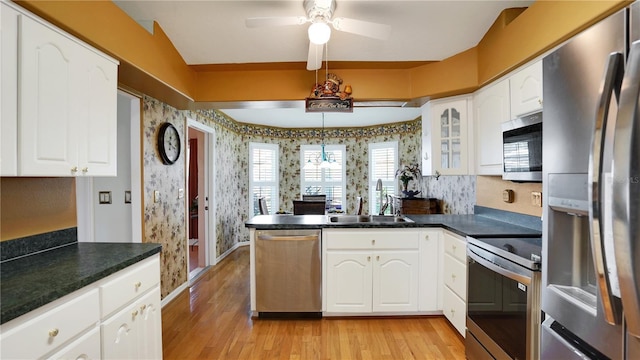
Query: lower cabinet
(371, 271)
(74, 327)
(135, 332)
(455, 280)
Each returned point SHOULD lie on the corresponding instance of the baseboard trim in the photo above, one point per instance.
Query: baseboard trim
(226, 253)
(172, 295)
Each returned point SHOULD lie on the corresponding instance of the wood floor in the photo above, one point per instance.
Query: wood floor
(212, 321)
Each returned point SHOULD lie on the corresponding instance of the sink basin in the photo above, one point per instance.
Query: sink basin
(367, 219)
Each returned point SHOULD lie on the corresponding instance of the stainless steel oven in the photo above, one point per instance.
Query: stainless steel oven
(503, 298)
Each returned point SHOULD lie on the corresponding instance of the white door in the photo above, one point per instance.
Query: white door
(395, 281)
(96, 221)
(207, 250)
(150, 325)
(349, 281)
(47, 125)
(492, 109)
(120, 335)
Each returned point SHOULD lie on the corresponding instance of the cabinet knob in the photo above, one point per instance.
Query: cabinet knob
(453, 247)
(373, 242)
(143, 307)
(426, 155)
(426, 237)
(74, 169)
(378, 258)
(85, 170)
(453, 276)
(540, 101)
(134, 313)
(368, 258)
(452, 312)
(53, 332)
(137, 284)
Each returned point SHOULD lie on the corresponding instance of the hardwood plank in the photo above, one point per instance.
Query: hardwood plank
(212, 320)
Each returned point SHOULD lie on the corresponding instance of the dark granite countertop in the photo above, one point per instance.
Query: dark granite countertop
(30, 281)
(485, 223)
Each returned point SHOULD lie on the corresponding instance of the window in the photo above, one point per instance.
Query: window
(383, 163)
(263, 176)
(328, 178)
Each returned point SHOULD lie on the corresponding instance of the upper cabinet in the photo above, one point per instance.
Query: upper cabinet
(491, 105)
(66, 104)
(526, 90)
(445, 136)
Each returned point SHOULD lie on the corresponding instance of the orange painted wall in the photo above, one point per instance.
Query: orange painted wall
(30, 206)
(543, 25)
(106, 26)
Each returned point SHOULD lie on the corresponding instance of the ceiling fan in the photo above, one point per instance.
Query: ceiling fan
(320, 15)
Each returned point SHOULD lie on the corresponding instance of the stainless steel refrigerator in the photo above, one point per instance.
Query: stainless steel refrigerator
(591, 187)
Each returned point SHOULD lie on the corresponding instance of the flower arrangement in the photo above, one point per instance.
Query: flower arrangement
(408, 173)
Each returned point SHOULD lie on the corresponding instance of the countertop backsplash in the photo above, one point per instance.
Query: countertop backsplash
(458, 193)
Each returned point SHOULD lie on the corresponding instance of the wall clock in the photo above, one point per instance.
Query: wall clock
(168, 143)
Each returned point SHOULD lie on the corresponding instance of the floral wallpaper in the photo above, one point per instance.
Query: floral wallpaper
(458, 193)
(165, 220)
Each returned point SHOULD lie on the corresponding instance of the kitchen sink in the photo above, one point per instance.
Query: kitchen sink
(367, 219)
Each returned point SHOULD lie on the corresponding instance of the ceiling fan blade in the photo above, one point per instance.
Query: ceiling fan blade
(274, 21)
(314, 61)
(364, 28)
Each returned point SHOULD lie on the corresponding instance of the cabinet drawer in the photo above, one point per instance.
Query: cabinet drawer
(44, 333)
(455, 310)
(455, 246)
(86, 347)
(129, 283)
(379, 239)
(455, 276)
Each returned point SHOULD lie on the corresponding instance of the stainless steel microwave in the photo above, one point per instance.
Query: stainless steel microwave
(522, 149)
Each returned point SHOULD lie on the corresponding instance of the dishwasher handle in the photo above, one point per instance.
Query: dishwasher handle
(287, 237)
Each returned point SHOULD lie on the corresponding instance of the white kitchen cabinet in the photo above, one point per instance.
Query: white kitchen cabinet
(8, 94)
(525, 87)
(50, 328)
(349, 281)
(430, 294)
(135, 332)
(445, 136)
(371, 271)
(66, 102)
(72, 327)
(85, 347)
(492, 108)
(455, 280)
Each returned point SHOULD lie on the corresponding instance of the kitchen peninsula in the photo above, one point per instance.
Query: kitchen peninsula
(395, 265)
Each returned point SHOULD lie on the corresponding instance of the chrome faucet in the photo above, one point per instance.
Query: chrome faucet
(379, 188)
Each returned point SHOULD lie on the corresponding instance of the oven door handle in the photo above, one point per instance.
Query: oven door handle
(611, 83)
(525, 279)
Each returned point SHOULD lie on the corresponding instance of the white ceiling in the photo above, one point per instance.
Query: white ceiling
(214, 32)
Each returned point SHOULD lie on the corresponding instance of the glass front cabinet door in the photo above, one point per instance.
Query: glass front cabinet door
(445, 140)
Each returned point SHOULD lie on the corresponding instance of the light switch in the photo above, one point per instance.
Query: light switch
(104, 197)
(156, 196)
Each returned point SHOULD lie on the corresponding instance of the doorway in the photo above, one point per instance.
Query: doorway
(201, 240)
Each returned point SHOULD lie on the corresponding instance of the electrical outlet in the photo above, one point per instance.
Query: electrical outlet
(507, 196)
(156, 196)
(536, 198)
(180, 193)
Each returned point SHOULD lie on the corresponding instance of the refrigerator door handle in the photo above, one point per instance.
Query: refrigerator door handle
(626, 191)
(611, 83)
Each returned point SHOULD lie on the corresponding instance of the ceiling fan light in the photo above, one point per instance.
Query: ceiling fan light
(319, 33)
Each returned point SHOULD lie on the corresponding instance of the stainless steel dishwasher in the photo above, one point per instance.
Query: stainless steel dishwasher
(288, 271)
